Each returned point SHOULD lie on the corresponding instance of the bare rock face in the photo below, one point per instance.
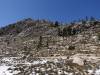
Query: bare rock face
(78, 61)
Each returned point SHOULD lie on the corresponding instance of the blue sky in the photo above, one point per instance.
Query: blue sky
(61, 10)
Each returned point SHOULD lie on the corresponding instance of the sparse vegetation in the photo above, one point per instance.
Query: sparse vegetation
(50, 47)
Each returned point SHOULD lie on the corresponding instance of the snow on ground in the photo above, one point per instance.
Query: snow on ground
(78, 58)
(94, 72)
(4, 70)
(97, 72)
(39, 62)
(90, 72)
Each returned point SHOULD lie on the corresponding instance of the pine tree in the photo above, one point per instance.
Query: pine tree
(40, 42)
(56, 24)
(92, 18)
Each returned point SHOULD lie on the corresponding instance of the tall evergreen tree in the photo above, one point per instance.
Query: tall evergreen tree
(56, 24)
(40, 42)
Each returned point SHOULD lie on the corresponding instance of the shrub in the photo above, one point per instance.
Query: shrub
(71, 48)
(99, 36)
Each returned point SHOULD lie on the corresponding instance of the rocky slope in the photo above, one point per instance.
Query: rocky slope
(72, 49)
